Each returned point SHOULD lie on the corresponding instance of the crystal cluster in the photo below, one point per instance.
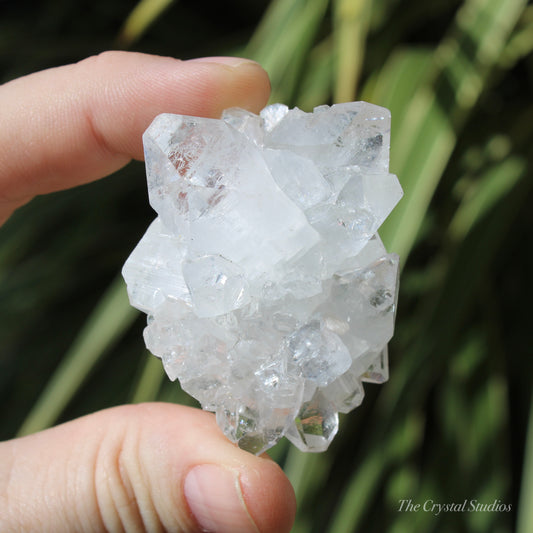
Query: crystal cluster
(269, 293)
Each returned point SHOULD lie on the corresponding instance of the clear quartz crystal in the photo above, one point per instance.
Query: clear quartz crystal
(269, 293)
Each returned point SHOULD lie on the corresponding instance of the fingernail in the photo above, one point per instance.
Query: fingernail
(228, 61)
(215, 499)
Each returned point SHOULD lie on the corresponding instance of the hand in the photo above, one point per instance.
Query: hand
(148, 467)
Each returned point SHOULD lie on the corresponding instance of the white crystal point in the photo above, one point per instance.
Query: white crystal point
(355, 133)
(269, 293)
(272, 115)
(298, 178)
(346, 392)
(246, 122)
(254, 430)
(216, 285)
(377, 366)
(153, 271)
(319, 353)
(315, 425)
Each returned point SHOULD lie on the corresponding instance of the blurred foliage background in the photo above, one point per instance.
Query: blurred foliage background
(452, 423)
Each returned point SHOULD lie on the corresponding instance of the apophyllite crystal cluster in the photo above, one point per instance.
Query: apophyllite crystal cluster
(269, 293)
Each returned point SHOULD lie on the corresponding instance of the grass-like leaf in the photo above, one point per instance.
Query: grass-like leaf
(437, 110)
(283, 40)
(525, 516)
(351, 19)
(110, 318)
(150, 380)
(143, 15)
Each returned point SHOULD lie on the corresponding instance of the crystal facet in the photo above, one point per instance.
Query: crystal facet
(269, 293)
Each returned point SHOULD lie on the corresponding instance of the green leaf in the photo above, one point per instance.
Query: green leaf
(143, 15)
(108, 321)
(351, 19)
(495, 184)
(317, 79)
(283, 40)
(525, 509)
(150, 380)
(402, 439)
(438, 109)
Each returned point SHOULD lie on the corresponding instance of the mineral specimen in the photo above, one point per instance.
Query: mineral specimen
(269, 293)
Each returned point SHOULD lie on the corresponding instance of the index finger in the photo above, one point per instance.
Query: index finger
(70, 125)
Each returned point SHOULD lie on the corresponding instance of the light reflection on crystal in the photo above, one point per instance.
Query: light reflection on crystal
(268, 291)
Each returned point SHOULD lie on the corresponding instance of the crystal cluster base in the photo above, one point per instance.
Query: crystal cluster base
(269, 293)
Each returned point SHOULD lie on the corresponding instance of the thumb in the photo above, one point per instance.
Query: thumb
(73, 124)
(149, 467)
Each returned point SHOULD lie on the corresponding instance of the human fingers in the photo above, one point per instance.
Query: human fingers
(70, 125)
(149, 467)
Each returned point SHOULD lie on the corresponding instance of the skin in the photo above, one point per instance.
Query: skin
(149, 467)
